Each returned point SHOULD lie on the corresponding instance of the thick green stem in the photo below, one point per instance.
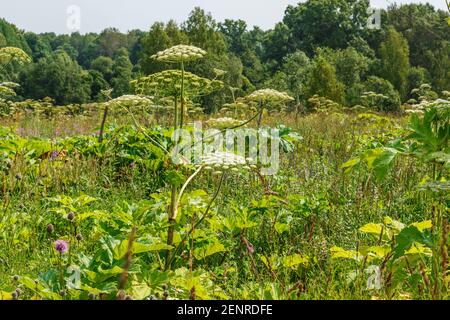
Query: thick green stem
(197, 223)
(182, 96)
(260, 114)
(102, 127)
(175, 114)
(172, 221)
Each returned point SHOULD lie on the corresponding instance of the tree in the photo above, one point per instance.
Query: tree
(416, 77)
(13, 37)
(98, 84)
(110, 41)
(394, 54)
(40, 48)
(59, 77)
(296, 68)
(325, 23)
(104, 65)
(423, 28)
(323, 81)
(234, 32)
(277, 45)
(439, 66)
(203, 32)
(389, 97)
(159, 37)
(122, 73)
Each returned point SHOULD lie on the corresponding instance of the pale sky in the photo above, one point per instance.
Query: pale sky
(96, 15)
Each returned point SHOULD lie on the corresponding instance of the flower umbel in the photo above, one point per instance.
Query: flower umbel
(180, 53)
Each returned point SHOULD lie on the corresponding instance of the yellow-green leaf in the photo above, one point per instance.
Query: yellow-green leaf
(372, 228)
(423, 225)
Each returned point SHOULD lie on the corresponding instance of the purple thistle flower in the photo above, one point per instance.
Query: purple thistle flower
(61, 246)
(54, 155)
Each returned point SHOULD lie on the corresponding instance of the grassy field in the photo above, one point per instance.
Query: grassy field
(321, 228)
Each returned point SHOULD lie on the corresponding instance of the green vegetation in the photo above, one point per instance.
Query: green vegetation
(94, 204)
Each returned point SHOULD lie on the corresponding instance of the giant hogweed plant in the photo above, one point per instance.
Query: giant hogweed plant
(394, 258)
(182, 86)
(426, 141)
(10, 59)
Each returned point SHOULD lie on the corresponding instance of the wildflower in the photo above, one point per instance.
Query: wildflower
(14, 54)
(223, 123)
(71, 216)
(219, 161)
(16, 278)
(62, 293)
(269, 95)
(79, 237)
(18, 291)
(54, 155)
(130, 101)
(15, 296)
(61, 246)
(50, 228)
(91, 296)
(179, 53)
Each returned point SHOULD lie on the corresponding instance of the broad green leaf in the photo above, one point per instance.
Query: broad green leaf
(5, 295)
(121, 249)
(349, 165)
(384, 162)
(428, 224)
(406, 238)
(394, 224)
(418, 248)
(372, 228)
(294, 260)
(340, 253)
(212, 248)
(281, 227)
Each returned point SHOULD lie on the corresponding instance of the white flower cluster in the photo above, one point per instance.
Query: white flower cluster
(6, 91)
(179, 53)
(421, 107)
(130, 100)
(269, 95)
(224, 123)
(223, 161)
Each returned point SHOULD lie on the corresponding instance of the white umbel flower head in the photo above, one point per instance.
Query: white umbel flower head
(130, 100)
(269, 95)
(223, 161)
(180, 53)
(12, 54)
(6, 91)
(224, 123)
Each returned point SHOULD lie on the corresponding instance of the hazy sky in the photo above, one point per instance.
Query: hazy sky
(96, 15)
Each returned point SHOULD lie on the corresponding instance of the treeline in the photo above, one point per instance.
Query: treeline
(322, 47)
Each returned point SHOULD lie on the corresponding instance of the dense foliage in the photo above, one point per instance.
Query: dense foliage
(99, 200)
(411, 47)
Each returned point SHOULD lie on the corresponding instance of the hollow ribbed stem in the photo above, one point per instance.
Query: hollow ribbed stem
(196, 224)
(182, 96)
